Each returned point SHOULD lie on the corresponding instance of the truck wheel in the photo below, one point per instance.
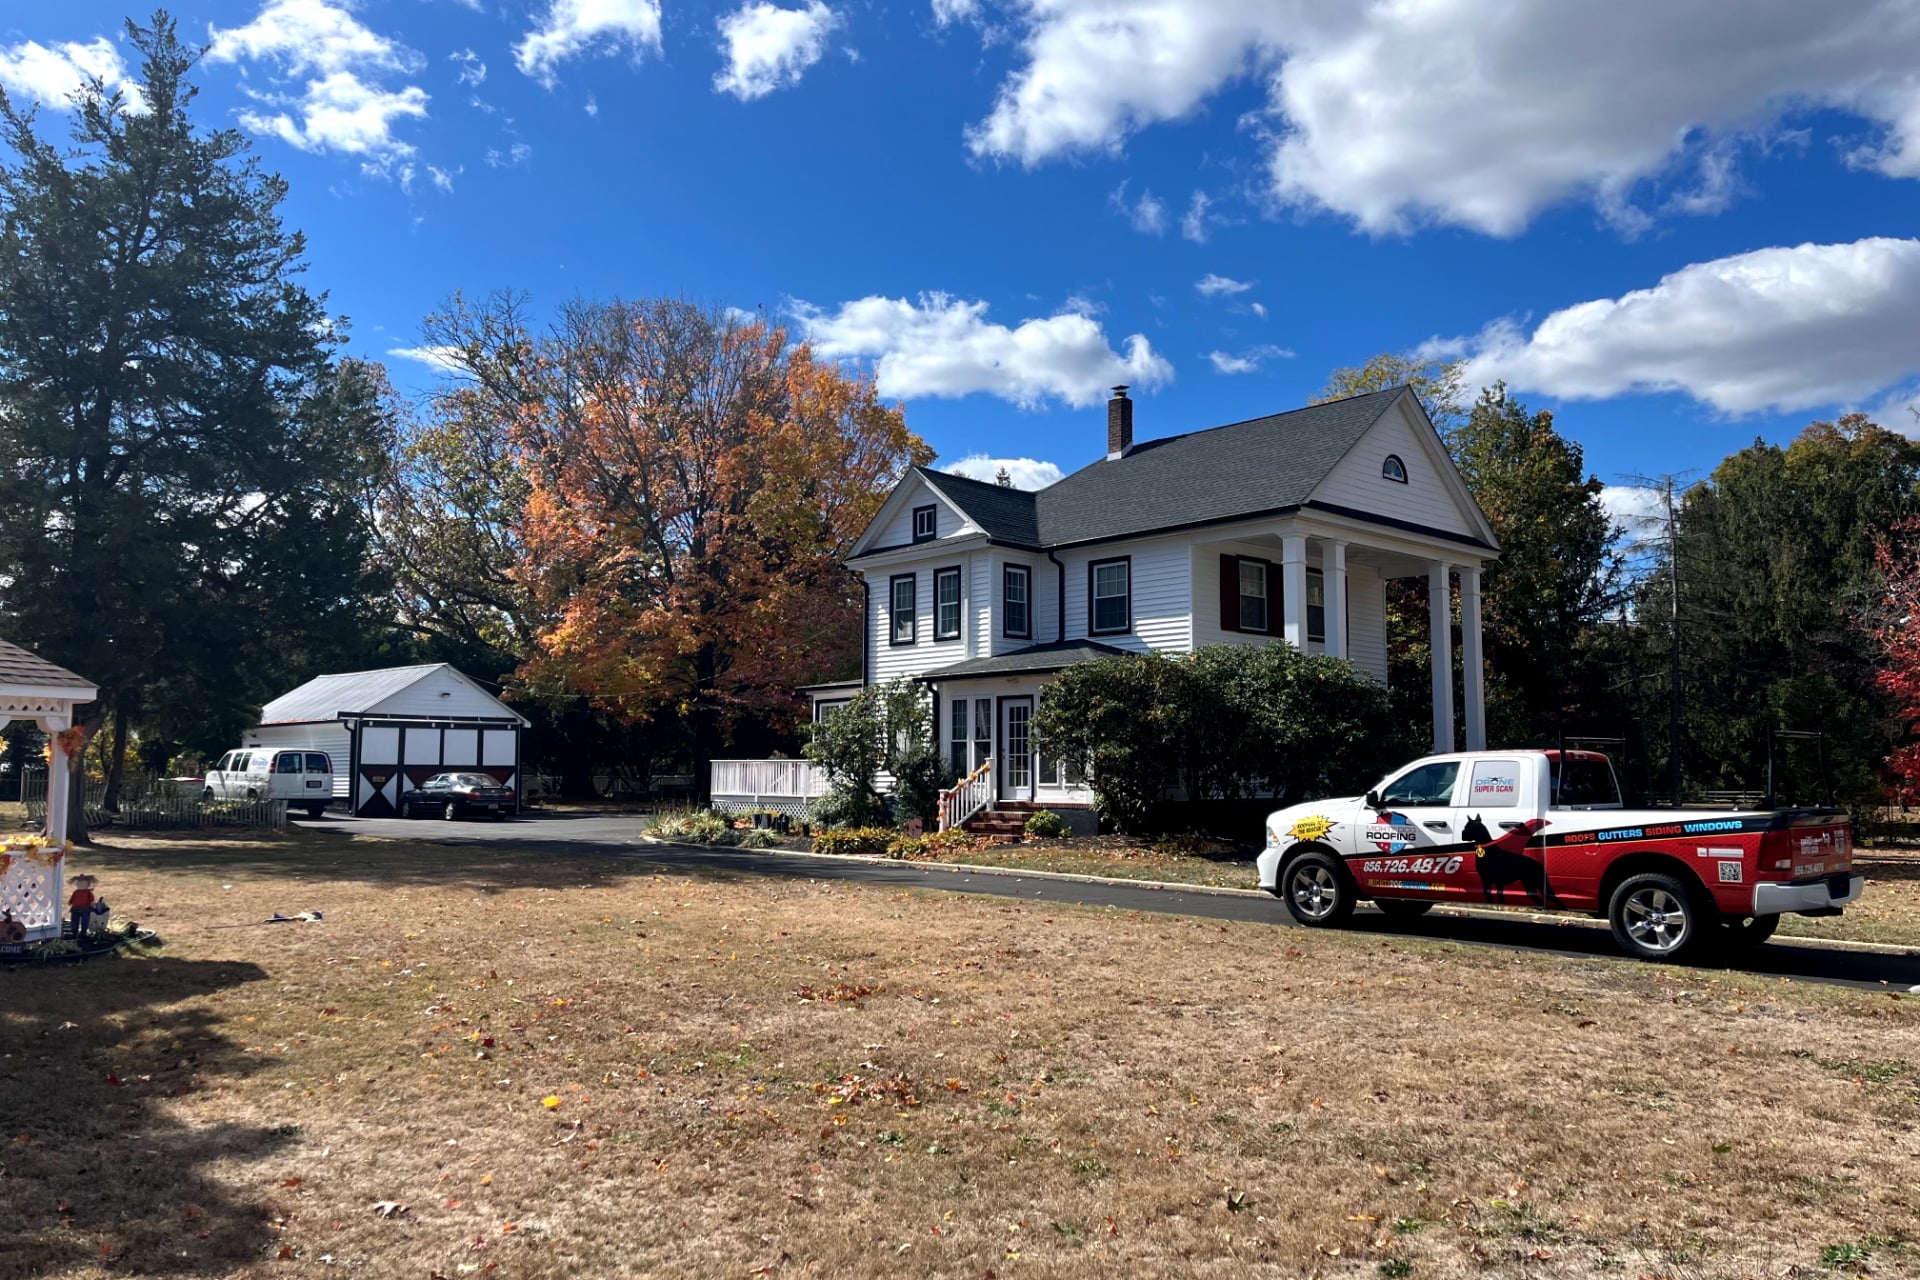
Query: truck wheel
(1737, 933)
(1402, 908)
(1316, 891)
(1654, 916)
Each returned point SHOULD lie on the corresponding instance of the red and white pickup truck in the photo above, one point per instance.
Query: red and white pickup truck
(1547, 829)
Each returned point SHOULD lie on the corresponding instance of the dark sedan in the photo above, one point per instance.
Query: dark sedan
(452, 795)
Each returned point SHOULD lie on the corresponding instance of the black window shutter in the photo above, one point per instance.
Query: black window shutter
(1229, 593)
(1275, 600)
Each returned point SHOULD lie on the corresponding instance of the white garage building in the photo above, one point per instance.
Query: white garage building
(392, 729)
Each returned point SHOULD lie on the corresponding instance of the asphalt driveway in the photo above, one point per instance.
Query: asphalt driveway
(622, 835)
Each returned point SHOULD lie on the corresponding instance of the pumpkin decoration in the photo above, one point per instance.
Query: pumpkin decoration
(11, 930)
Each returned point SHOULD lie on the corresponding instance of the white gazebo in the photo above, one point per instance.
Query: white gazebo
(32, 877)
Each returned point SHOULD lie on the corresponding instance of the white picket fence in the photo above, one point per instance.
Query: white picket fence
(156, 804)
(766, 786)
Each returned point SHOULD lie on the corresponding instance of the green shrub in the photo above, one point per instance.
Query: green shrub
(933, 845)
(758, 838)
(697, 827)
(886, 728)
(1045, 824)
(872, 841)
(1228, 721)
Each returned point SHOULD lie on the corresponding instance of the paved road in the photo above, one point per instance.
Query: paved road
(620, 836)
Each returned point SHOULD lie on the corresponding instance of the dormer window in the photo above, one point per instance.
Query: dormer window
(1393, 469)
(923, 527)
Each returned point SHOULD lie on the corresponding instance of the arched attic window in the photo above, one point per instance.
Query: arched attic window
(1393, 469)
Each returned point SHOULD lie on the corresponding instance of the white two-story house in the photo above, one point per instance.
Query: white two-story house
(1281, 528)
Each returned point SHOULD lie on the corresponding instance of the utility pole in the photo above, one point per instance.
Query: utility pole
(1661, 496)
(1673, 643)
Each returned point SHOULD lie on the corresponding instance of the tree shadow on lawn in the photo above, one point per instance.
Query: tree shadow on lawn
(96, 1164)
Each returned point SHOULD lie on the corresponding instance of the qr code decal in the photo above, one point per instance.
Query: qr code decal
(1729, 873)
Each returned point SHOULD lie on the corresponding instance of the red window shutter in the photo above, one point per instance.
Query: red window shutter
(1229, 593)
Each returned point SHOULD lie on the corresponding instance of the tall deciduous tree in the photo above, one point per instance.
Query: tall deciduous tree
(1775, 561)
(1437, 380)
(1557, 575)
(1894, 622)
(693, 492)
(173, 431)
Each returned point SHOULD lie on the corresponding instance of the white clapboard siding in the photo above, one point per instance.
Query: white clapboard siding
(947, 520)
(1355, 482)
(1040, 584)
(1367, 616)
(440, 694)
(1162, 579)
(890, 660)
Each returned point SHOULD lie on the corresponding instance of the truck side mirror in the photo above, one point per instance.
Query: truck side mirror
(1373, 799)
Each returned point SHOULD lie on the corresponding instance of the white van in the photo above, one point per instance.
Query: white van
(304, 779)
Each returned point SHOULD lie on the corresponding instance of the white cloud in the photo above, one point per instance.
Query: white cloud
(53, 75)
(1147, 215)
(472, 70)
(1248, 361)
(1782, 328)
(593, 105)
(573, 27)
(514, 156)
(768, 48)
(1193, 223)
(1477, 113)
(1634, 509)
(1026, 473)
(443, 179)
(944, 346)
(440, 359)
(1214, 285)
(1258, 308)
(343, 105)
(946, 12)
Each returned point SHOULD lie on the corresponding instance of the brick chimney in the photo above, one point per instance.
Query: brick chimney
(1119, 424)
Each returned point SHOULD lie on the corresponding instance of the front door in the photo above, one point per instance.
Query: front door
(1016, 748)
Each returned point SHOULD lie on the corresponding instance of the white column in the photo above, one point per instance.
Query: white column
(56, 784)
(1440, 629)
(1293, 590)
(1473, 690)
(1333, 573)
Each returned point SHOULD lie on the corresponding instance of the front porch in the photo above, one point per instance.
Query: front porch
(766, 786)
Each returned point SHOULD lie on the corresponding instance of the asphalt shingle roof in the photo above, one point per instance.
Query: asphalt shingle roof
(17, 666)
(1037, 658)
(1242, 469)
(1006, 514)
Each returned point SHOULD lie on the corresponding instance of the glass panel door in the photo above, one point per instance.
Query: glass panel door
(1016, 740)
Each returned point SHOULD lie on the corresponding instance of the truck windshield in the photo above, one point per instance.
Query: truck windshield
(1582, 781)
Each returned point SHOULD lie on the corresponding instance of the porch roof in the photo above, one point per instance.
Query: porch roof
(1034, 659)
(23, 670)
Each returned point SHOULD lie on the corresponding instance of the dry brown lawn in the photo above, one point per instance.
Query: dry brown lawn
(484, 1063)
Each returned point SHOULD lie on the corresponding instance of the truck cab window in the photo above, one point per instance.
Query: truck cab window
(1430, 784)
(1583, 782)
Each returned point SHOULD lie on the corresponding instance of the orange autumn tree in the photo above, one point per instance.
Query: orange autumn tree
(690, 502)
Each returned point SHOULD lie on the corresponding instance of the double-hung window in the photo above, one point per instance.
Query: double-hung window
(958, 738)
(946, 604)
(902, 589)
(1254, 613)
(923, 523)
(1016, 617)
(1110, 592)
(1316, 605)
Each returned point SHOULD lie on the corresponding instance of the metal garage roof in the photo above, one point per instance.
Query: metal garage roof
(357, 693)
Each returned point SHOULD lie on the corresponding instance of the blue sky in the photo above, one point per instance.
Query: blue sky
(1678, 230)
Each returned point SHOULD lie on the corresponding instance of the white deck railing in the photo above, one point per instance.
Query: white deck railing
(768, 779)
(967, 797)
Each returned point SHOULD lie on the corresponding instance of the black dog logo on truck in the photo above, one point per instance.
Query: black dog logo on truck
(1504, 861)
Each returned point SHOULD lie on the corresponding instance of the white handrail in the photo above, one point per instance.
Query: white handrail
(967, 797)
(781, 779)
